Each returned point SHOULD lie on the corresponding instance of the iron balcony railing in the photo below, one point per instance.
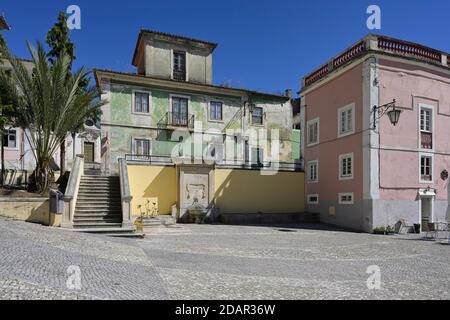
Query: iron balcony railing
(238, 164)
(178, 120)
(179, 75)
(147, 158)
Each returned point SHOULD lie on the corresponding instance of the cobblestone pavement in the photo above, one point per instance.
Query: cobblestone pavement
(220, 262)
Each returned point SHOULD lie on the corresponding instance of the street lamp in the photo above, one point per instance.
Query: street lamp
(389, 109)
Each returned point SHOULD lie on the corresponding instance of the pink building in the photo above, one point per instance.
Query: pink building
(362, 172)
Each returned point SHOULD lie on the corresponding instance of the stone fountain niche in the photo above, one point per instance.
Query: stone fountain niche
(195, 193)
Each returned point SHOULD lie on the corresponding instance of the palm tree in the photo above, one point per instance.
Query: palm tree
(50, 104)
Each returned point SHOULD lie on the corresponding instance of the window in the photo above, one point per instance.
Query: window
(346, 120)
(142, 147)
(346, 166)
(141, 102)
(9, 138)
(346, 198)
(179, 65)
(215, 110)
(313, 171)
(312, 199)
(257, 115)
(426, 127)
(426, 168)
(425, 119)
(313, 132)
(179, 115)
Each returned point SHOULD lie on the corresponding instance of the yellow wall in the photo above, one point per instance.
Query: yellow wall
(154, 183)
(247, 191)
(32, 210)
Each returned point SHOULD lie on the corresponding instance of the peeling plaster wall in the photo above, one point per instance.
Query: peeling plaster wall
(120, 125)
(158, 61)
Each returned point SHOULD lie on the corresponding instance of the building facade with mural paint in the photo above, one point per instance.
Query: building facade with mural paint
(151, 114)
(169, 121)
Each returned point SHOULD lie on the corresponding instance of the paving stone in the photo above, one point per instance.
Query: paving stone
(220, 262)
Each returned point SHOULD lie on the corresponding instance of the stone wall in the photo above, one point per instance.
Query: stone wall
(26, 209)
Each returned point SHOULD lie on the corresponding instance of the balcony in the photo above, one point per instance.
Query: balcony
(426, 140)
(179, 75)
(378, 45)
(177, 120)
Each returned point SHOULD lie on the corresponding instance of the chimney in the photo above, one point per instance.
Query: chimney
(288, 93)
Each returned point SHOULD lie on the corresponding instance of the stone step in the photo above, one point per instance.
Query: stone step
(93, 209)
(82, 220)
(98, 214)
(96, 205)
(100, 178)
(112, 232)
(125, 234)
(99, 186)
(98, 198)
(98, 183)
(96, 225)
(99, 192)
(87, 209)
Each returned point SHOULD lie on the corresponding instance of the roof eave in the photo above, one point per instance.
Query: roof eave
(212, 46)
(233, 91)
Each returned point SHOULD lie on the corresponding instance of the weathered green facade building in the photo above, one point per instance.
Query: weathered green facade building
(170, 111)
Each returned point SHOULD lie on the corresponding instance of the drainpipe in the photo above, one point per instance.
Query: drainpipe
(73, 147)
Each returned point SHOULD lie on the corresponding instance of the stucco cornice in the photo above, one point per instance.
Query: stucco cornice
(378, 46)
(172, 38)
(373, 54)
(137, 79)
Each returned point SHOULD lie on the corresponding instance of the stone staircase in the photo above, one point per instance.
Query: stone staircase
(98, 208)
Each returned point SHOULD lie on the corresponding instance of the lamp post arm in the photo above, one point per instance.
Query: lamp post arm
(379, 111)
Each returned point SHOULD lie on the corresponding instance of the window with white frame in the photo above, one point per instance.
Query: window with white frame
(257, 115)
(312, 199)
(179, 65)
(426, 168)
(313, 131)
(346, 120)
(313, 171)
(426, 127)
(426, 115)
(215, 111)
(346, 198)
(10, 138)
(141, 147)
(346, 166)
(141, 102)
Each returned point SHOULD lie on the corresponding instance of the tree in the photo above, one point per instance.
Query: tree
(6, 117)
(58, 39)
(50, 104)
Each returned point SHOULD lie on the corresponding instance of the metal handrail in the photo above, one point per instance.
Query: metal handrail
(165, 159)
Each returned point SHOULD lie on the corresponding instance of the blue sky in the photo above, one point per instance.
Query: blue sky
(264, 45)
